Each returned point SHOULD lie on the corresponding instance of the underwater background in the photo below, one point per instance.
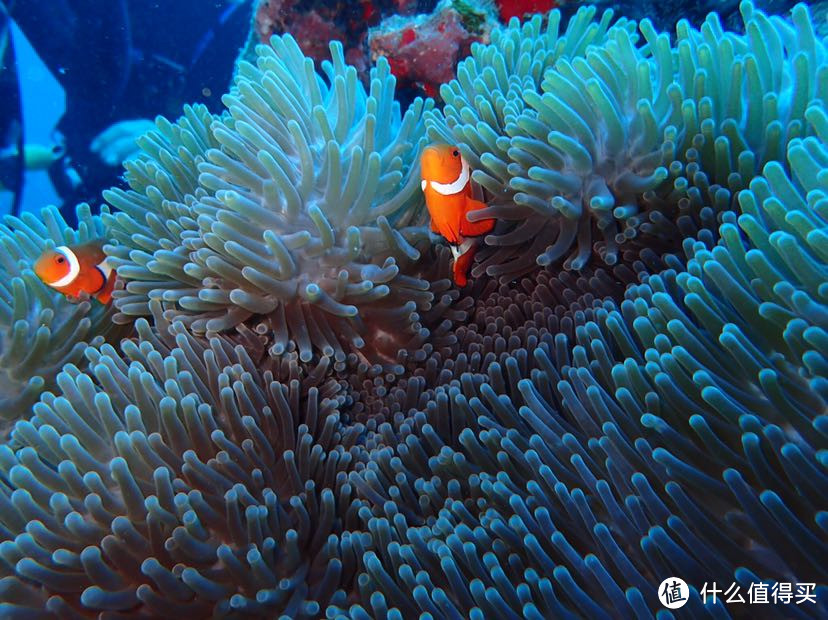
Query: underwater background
(290, 410)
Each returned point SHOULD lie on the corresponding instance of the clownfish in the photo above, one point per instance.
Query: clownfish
(446, 183)
(78, 269)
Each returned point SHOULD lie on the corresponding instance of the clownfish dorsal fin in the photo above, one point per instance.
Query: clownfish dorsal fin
(74, 267)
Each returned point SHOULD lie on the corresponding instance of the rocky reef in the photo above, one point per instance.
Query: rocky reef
(423, 50)
(308, 420)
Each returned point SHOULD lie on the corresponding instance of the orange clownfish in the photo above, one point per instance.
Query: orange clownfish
(78, 269)
(448, 194)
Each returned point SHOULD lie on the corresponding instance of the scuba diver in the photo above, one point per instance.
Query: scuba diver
(11, 126)
(119, 64)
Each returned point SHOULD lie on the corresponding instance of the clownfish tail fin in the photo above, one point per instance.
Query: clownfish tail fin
(464, 256)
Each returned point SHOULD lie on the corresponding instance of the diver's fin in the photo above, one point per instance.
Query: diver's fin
(474, 229)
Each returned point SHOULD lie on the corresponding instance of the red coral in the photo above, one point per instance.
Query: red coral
(369, 11)
(356, 57)
(313, 33)
(406, 7)
(519, 8)
(270, 17)
(423, 52)
(314, 28)
(399, 67)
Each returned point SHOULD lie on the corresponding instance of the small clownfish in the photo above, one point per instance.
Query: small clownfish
(78, 269)
(448, 194)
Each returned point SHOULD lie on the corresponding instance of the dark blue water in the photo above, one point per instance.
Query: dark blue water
(81, 66)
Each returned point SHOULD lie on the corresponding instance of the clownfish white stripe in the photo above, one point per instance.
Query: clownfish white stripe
(456, 186)
(105, 268)
(458, 250)
(74, 268)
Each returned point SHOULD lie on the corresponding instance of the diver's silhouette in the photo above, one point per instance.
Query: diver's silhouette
(118, 61)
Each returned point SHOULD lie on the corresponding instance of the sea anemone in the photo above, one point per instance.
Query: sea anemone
(40, 330)
(550, 446)
(292, 212)
(587, 139)
(175, 481)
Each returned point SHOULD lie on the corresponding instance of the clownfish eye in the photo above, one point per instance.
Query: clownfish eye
(456, 153)
(60, 260)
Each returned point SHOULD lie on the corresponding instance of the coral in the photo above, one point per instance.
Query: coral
(268, 16)
(423, 50)
(550, 445)
(291, 213)
(313, 23)
(311, 29)
(312, 33)
(508, 9)
(633, 135)
(40, 330)
(367, 29)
